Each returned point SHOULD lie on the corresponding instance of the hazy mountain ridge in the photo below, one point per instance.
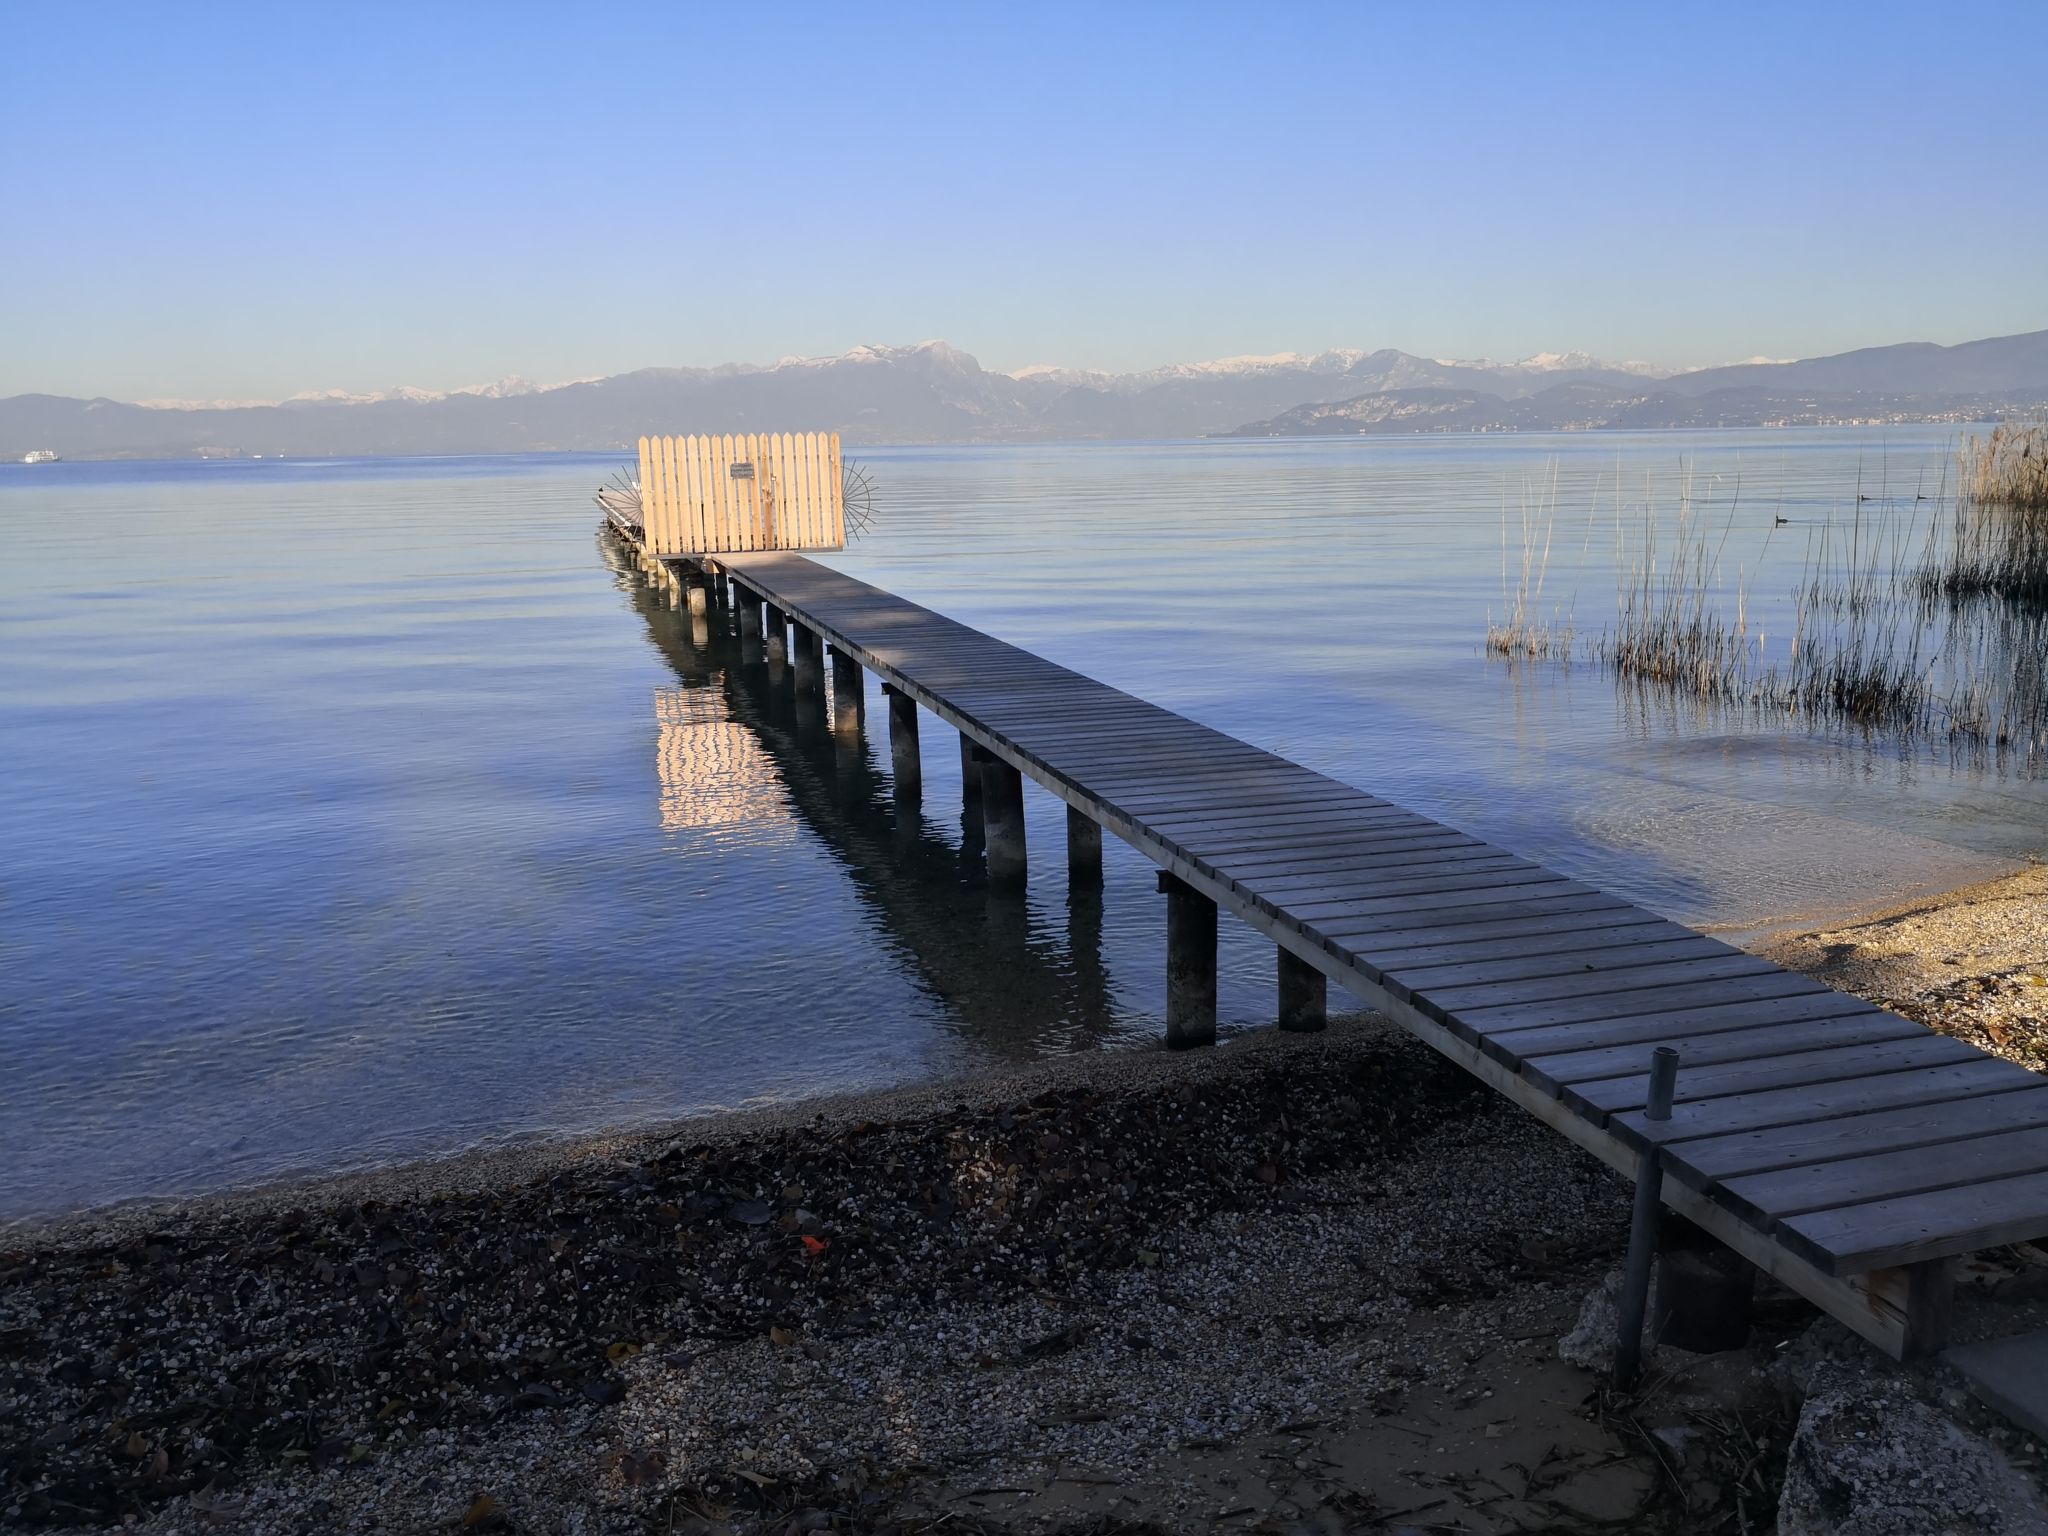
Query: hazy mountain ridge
(933, 392)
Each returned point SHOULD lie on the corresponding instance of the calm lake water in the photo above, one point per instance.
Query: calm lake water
(358, 811)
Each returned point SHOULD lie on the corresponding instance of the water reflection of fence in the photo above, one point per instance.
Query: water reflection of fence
(720, 495)
(713, 772)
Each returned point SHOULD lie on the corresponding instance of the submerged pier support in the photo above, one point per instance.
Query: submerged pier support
(1190, 964)
(1304, 994)
(1002, 815)
(809, 656)
(970, 775)
(1084, 848)
(903, 757)
(849, 696)
(775, 629)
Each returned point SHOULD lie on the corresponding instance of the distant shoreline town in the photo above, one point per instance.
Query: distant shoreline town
(934, 393)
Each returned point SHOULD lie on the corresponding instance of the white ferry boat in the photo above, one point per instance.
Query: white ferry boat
(41, 456)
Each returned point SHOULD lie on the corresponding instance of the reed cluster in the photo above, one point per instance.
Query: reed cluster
(2008, 468)
(1998, 545)
(1926, 620)
(1522, 631)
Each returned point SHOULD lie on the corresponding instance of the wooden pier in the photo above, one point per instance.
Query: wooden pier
(1850, 1153)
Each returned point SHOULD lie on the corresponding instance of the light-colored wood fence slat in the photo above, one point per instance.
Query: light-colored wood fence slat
(757, 508)
(734, 446)
(678, 518)
(742, 531)
(646, 479)
(714, 494)
(814, 491)
(799, 490)
(779, 523)
(689, 494)
(660, 534)
(836, 489)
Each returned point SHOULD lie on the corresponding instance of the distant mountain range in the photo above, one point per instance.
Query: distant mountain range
(935, 393)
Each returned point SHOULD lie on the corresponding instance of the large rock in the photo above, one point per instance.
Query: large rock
(1590, 1344)
(1872, 1457)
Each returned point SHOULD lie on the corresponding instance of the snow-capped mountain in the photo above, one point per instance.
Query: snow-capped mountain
(933, 392)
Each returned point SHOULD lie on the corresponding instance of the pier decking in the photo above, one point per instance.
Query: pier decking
(1847, 1151)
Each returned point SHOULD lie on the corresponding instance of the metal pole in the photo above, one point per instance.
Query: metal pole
(1642, 1230)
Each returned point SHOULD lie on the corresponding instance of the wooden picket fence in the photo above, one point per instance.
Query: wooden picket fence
(720, 495)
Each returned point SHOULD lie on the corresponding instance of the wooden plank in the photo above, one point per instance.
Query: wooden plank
(1414, 856)
(1625, 949)
(1323, 848)
(1824, 1061)
(1909, 1228)
(1395, 885)
(1242, 837)
(1847, 1181)
(1595, 931)
(1566, 1068)
(1363, 877)
(1820, 1101)
(1657, 1002)
(1514, 888)
(1670, 975)
(1815, 1002)
(1710, 1161)
(1367, 928)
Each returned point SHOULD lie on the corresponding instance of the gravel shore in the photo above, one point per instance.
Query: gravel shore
(1973, 964)
(1293, 1283)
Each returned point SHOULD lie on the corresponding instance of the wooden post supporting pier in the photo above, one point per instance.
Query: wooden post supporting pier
(849, 696)
(903, 758)
(1002, 814)
(775, 625)
(1304, 994)
(1190, 964)
(810, 659)
(750, 615)
(970, 774)
(1084, 848)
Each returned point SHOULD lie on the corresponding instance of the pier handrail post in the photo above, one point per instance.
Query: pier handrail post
(1642, 1231)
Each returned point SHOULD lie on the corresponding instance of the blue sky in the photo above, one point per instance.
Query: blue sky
(220, 201)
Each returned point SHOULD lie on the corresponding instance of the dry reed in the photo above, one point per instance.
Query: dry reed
(1893, 626)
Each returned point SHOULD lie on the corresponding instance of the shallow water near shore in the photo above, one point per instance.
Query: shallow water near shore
(359, 811)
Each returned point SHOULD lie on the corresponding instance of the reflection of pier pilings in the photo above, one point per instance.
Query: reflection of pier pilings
(1011, 984)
